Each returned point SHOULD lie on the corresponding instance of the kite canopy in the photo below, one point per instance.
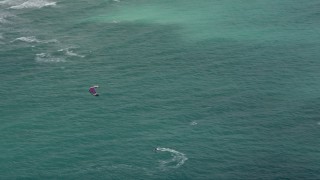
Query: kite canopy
(93, 91)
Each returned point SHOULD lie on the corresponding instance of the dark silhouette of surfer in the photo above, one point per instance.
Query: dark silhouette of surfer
(93, 91)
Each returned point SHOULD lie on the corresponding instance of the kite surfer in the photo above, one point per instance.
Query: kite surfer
(93, 91)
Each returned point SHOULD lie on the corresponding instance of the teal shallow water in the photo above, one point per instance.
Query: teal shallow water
(227, 90)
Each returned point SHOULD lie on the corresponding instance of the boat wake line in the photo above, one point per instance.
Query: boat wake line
(176, 161)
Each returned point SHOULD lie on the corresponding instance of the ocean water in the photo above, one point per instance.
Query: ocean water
(189, 89)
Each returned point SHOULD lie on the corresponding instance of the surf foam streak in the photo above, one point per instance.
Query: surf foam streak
(33, 4)
(32, 39)
(47, 58)
(177, 157)
(26, 39)
(69, 52)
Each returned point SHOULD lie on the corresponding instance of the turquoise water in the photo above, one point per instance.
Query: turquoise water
(224, 89)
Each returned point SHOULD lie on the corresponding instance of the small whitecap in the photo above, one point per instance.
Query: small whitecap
(4, 17)
(1, 38)
(2, 20)
(41, 55)
(50, 41)
(33, 39)
(69, 52)
(193, 123)
(29, 39)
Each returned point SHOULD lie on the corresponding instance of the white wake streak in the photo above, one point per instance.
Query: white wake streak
(177, 157)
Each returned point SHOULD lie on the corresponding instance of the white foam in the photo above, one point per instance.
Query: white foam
(50, 41)
(4, 16)
(193, 123)
(33, 4)
(32, 39)
(178, 158)
(1, 38)
(69, 52)
(26, 39)
(47, 58)
(2, 20)
(4, 2)
(11, 2)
